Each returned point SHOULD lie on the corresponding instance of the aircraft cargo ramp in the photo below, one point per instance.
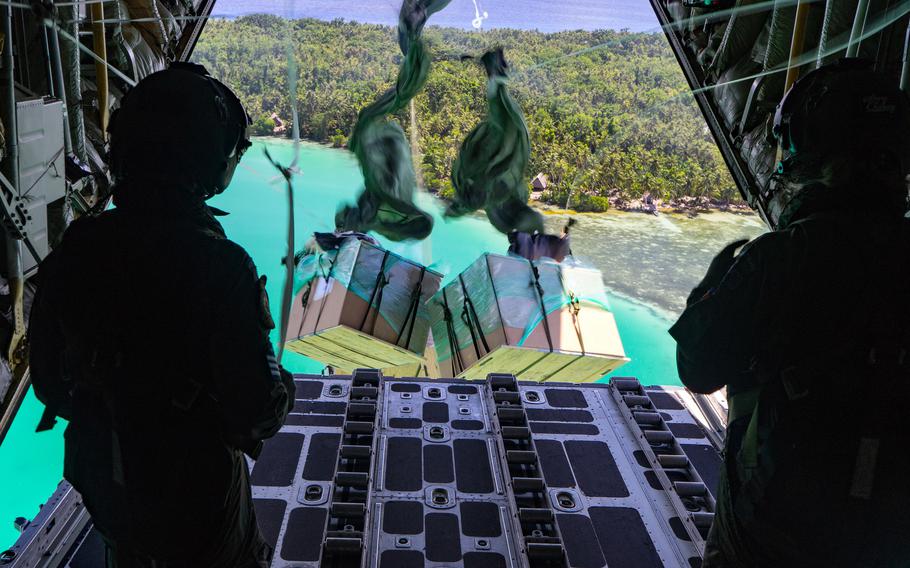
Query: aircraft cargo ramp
(399, 473)
(740, 57)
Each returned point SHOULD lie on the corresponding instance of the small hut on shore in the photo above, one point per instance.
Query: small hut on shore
(538, 185)
(280, 126)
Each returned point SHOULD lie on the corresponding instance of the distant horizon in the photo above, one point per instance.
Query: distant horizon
(543, 15)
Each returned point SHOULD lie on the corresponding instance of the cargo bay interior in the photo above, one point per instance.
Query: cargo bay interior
(494, 445)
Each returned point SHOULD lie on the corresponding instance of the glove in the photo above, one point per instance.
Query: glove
(287, 379)
(716, 271)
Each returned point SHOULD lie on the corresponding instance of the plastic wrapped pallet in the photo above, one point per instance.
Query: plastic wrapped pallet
(546, 320)
(366, 307)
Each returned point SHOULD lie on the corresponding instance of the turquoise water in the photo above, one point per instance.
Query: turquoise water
(649, 263)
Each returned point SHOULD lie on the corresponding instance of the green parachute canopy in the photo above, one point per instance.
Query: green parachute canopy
(386, 205)
(489, 172)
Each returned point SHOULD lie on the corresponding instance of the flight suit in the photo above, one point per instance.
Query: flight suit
(808, 330)
(150, 335)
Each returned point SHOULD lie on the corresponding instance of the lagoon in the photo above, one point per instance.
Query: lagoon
(649, 265)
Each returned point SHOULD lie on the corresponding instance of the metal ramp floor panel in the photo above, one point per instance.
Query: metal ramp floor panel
(447, 483)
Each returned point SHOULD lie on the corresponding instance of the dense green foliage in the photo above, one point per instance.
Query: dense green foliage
(607, 110)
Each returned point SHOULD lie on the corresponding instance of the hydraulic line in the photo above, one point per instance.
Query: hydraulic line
(905, 67)
(72, 85)
(59, 85)
(797, 43)
(17, 351)
(859, 23)
(99, 41)
(11, 165)
(49, 74)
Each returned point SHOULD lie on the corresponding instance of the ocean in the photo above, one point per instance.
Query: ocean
(649, 265)
(544, 15)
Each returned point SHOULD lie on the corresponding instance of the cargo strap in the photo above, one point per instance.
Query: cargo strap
(574, 306)
(543, 307)
(412, 311)
(304, 300)
(457, 362)
(470, 319)
(741, 405)
(748, 403)
(325, 277)
(575, 310)
(376, 296)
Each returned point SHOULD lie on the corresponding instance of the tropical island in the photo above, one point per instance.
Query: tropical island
(611, 119)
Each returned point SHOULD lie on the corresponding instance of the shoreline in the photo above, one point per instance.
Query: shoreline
(688, 206)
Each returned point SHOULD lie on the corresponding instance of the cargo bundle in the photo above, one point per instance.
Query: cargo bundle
(544, 320)
(364, 307)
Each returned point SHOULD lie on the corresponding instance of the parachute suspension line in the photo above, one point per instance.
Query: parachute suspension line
(415, 145)
(709, 18)
(479, 16)
(288, 173)
(426, 246)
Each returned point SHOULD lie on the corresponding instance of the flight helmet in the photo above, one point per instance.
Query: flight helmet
(180, 126)
(834, 118)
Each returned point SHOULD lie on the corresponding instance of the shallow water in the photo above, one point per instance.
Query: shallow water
(649, 264)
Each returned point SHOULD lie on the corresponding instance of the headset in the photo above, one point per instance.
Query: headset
(223, 93)
(844, 108)
(230, 114)
(865, 101)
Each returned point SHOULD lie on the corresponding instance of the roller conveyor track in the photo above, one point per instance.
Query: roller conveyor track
(532, 515)
(427, 480)
(349, 510)
(688, 492)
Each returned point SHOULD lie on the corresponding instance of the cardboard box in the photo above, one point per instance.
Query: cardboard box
(542, 321)
(368, 310)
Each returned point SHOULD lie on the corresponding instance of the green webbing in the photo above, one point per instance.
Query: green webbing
(386, 204)
(543, 307)
(741, 405)
(489, 172)
(470, 318)
(376, 295)
(412, 311)
(452, 336)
